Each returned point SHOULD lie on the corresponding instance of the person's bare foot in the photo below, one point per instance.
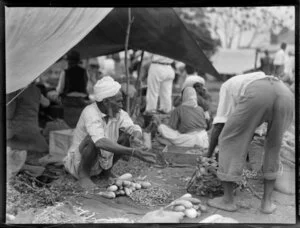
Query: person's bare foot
(267, 207)
(87, 183)
(221, 203)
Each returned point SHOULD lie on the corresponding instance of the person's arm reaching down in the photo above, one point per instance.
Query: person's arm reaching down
(214, 138)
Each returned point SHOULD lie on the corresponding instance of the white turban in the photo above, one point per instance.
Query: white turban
(191, 80)
(106, 87)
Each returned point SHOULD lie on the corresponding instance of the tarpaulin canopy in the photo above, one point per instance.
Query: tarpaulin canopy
(37, 37)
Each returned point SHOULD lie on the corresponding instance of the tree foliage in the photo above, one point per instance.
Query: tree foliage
(229, 23)
(197, 23)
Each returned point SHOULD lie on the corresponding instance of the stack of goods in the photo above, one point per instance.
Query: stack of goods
(124, 186)
(204, 181)
(191, 207)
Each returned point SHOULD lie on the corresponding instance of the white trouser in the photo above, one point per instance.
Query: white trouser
(198, 138)
(160, 81)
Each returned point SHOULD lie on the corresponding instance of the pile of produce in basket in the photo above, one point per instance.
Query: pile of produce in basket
(204, 180)
(191, 207)
(124, 185)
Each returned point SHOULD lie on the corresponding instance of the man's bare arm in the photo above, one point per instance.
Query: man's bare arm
(214, 138)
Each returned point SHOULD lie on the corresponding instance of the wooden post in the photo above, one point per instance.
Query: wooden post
(256, 55)
(137, 86)
(126, 59)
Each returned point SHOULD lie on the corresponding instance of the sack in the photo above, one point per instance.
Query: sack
(15, 161)
(285, 181)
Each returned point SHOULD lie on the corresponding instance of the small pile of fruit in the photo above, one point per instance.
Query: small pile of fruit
(191, 207)
(124, 185)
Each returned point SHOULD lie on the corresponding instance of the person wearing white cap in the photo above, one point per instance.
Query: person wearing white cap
(95, 146)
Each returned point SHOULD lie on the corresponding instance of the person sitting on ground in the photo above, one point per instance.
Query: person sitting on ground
(203, 97)
(198, 82)
(187, 124)
(246, 101)
(96, 145)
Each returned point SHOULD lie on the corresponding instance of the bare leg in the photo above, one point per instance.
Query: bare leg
(266, 203)
(88, 160)
(225, 202)
(124, 141)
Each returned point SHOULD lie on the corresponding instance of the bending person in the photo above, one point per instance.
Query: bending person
(95, 147)
(246, 101)
(187, 123)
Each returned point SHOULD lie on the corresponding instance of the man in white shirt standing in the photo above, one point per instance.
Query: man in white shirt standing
(246, 101)
(159, 82)
(95, 146)
(280, 60)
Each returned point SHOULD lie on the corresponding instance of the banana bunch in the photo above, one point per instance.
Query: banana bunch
(204, 181)
(124, 185)
(191, 207)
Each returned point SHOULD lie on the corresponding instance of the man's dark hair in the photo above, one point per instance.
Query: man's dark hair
(189, 69)
(283, 45)
(73, 56)
(266, 52)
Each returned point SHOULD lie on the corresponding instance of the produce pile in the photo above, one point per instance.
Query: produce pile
(152, 197)
(204, 180)
(123, 185)
(191, 207)
(139, 190)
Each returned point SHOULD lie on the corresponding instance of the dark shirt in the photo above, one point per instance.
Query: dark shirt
(266, 65)
(75, 80)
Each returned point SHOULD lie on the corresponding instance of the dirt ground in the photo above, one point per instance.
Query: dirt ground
(175, 180)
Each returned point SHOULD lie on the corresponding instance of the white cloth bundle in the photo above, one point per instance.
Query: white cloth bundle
(191, 80)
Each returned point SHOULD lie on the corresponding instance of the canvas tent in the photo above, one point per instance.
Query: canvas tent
(37, 37)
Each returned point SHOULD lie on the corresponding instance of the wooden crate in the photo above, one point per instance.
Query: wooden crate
(60, 141)
(180, 155)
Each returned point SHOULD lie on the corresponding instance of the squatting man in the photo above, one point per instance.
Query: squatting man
(97, 144)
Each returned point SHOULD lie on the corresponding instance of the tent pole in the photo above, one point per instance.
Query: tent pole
(126, 59)
(138, 86)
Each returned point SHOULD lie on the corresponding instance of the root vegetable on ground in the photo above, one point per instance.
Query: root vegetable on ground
(191, 213)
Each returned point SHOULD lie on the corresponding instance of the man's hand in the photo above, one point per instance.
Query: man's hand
(144, 155)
